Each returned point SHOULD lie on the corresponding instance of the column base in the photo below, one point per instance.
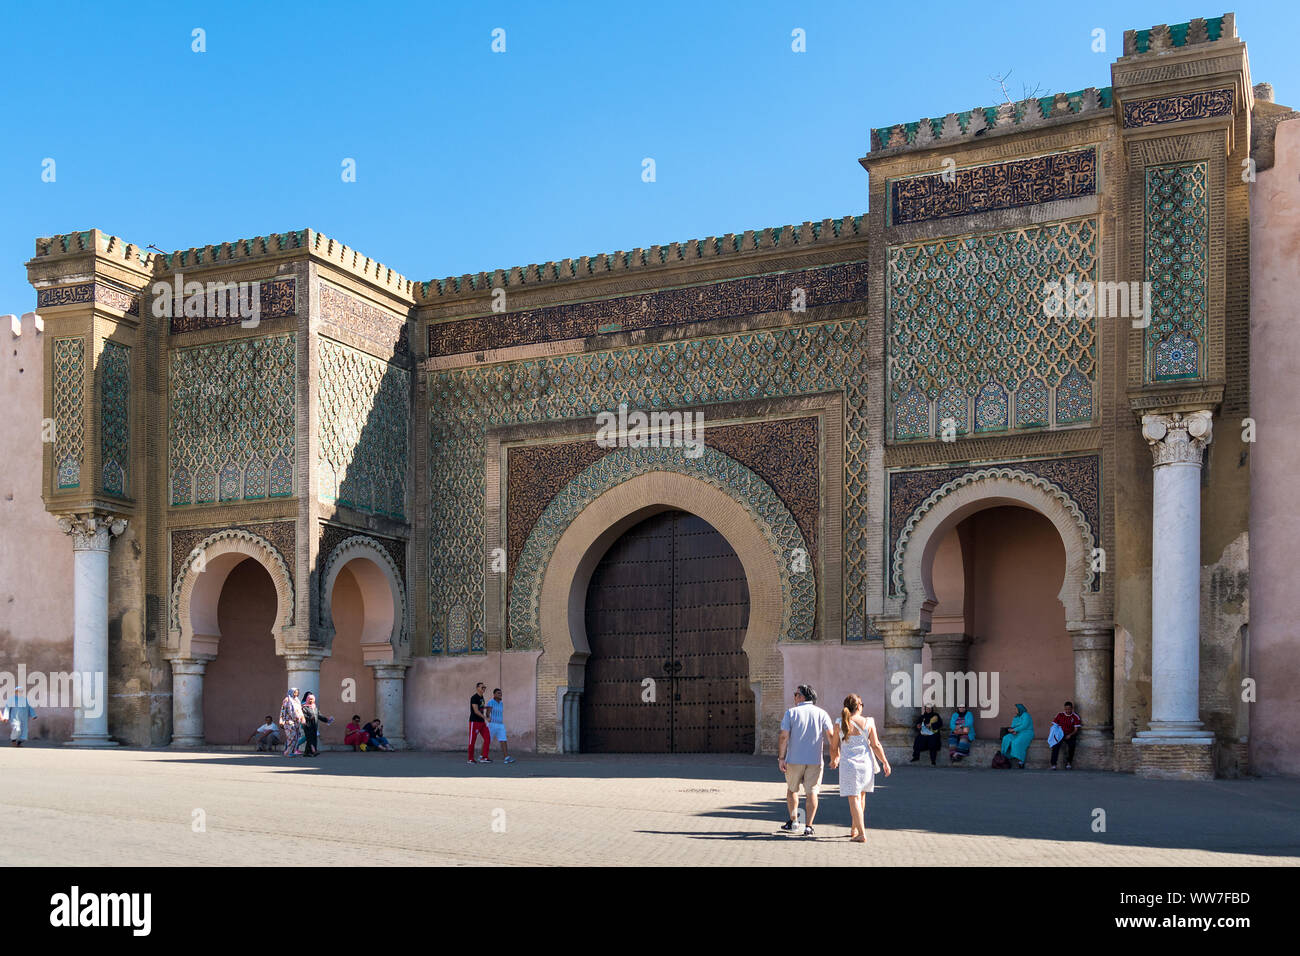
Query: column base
(91, 740)
(186, 742)
(1163, 757)
(397, 743)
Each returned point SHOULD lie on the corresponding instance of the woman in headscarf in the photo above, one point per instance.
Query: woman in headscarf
(311, 719)
(1016, 744)
(291, 722)
(961, 731)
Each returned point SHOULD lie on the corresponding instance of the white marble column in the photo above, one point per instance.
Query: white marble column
(390, 701)
(187, 701)
(1177, 441)
(92, 534)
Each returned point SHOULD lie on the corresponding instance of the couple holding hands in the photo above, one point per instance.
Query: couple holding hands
(855, 749)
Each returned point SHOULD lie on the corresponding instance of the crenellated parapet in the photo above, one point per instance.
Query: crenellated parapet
(302, 242)
(1007, 117)
(701, 251)
(1165, 37)
(94, 241)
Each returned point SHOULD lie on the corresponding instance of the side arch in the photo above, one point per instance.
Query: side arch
(912, 560)
(193, 629)
(383, 595)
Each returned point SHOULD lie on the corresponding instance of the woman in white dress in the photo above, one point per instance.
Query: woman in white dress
(859, 753)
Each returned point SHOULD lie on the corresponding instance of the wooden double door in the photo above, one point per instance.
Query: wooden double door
(667, 611)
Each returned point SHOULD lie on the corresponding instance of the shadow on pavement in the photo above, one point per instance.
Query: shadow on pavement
(1255, 815)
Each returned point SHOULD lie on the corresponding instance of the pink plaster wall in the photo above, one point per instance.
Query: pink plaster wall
(1018, 622)
(836, 670)
(247, 680)
(35, 557)
(438, 690)
(1275, 457)
(345, 661)
(948, 578)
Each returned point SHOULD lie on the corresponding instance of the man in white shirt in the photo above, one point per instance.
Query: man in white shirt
(799, 754)
(266, 735)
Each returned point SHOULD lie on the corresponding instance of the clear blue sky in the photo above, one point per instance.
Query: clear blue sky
(469, 160)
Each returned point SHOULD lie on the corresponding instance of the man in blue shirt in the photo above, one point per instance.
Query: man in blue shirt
(799, 754)
(496, 715)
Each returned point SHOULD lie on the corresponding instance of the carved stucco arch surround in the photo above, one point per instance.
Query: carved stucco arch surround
(383, 597)
(947, 506)
(556, 586)
(193, 630)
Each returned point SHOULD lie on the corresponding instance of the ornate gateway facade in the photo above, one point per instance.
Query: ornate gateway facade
(994, 426)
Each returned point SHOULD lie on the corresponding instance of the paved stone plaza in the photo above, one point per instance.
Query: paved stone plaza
(135, 807)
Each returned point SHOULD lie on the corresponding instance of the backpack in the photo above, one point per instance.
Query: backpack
(1000, 761)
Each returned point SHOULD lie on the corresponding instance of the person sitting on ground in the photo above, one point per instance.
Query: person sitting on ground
(928, 736)
(376, 731)
(355, 735)
(1069, 722)
(961, 731)
(266, 736)
(1016, 744)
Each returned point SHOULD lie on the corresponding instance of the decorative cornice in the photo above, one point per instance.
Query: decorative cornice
(976, 448)
(1179, 437)
(1176, 399)
(825, 285)
(752, 241)
(94, 531)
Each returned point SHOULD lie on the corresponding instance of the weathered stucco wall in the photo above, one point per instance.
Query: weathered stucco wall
(438, 690)
(1275, 406)
(35, 557)
(836, 670)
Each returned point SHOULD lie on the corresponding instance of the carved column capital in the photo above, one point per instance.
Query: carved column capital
(1091, 635)
(1178, 437)
(901, 635)
(93, 531)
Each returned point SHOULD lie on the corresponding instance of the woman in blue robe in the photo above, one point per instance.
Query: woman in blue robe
(961, 731)
(1016, 744)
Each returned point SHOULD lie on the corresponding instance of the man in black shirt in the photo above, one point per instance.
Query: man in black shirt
(478, 724)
